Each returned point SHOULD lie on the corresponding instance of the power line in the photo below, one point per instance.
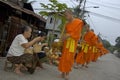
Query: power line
(90, 20)
(111, 4)
(99, 33)
(87, 20)
(72, 2)
(104, 16)
(103, 5)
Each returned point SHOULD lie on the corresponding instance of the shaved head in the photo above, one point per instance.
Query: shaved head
(68, 15)
(68, 11)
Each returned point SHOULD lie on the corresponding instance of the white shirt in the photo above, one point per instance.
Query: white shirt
(16, 49)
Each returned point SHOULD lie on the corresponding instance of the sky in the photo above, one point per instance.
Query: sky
(104, 20)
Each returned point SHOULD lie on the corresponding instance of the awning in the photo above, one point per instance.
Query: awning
(12, 5)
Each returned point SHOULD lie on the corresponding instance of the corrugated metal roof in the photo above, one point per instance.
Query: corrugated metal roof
(12, 5)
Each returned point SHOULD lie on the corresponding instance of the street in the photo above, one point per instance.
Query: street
(106, 68)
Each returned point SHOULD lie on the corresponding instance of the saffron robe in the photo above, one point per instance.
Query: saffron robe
(69, 47)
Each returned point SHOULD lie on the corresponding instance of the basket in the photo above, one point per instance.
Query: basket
(37, 48)
(57, 45)
(28, 51)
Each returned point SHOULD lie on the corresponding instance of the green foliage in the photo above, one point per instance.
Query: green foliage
(54, 6)
(77, 11)
(117, 45)
(44, 13)
(108, 46)
(112, 49)
(117, 42)
(106, 43)
(119, 50)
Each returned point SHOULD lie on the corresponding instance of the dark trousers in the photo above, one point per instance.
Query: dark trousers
(41, 55)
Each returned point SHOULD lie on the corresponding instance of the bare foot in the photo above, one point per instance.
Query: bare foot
(24, 68)
(66, 77)
(82, 66)
(86, 66)
(18, 72)
(76, 67)
(38, 68)
(61, 76)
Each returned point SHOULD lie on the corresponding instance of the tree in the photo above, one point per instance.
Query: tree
(79, 10)
(117, 45)
(106, 43)
(54, 6)
(112, 49)
(108, 46)
(56, 9)
(117, 42)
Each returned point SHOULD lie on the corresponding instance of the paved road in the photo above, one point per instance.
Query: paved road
(106, 68)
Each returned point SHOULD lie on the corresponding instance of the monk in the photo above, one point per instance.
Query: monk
(95, 52)
(99, 52)
(103, 50)
(80, 57)
(88, 40)
(70, 39)
(80, 54)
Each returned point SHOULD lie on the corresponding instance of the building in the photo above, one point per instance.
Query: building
(52, 24)
(13, 15)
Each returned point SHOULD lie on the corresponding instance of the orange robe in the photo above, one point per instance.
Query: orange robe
(88, 39)
(100, 47)
(94, 54)
(104, 50)
(69, 47)
(80, 56)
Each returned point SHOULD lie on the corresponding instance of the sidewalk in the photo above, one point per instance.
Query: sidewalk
(106, 68)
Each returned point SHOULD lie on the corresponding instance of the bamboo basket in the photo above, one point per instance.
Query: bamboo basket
(37, 48)
(57, 45)
(28, 51)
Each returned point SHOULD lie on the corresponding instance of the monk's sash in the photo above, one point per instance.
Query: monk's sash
(83, 45)
(94, 49)
(70, 44)
(86, 47)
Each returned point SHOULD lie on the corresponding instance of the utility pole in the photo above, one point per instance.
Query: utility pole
(83, 10)
(80, 11)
